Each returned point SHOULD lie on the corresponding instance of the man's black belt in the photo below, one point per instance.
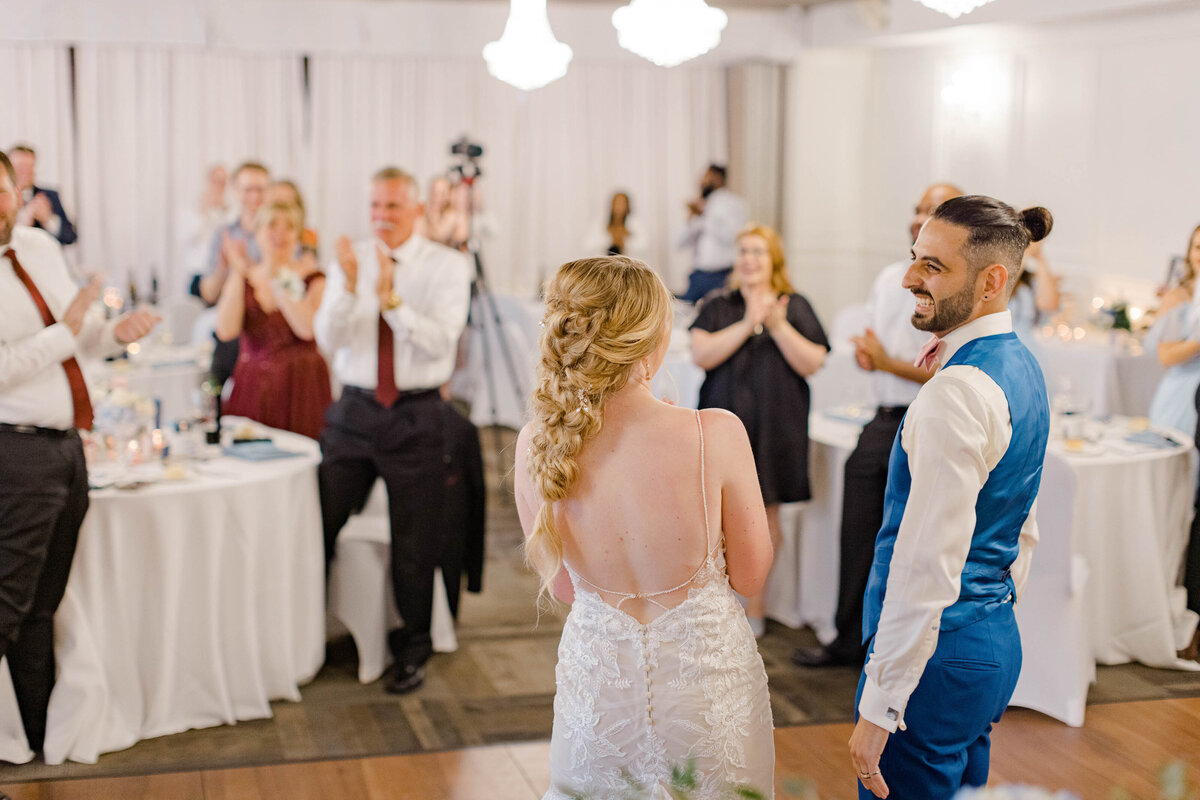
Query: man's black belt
(34, 430)
(403, 396)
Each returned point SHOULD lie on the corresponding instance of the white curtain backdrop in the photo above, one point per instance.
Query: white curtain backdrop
(553, 157)
(756, 136)
(150, 122)
(35, 93)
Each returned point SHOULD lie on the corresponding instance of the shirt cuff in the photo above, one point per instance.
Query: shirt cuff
(60, 340)
(110, 345)
(882, 709)
(401, 319)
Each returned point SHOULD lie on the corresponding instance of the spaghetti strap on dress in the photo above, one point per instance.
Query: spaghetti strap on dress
(635, 701)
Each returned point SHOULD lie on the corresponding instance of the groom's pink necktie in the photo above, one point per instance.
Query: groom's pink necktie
(928, 357)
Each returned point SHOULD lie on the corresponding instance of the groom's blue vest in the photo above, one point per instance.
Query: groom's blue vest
(1004, 501)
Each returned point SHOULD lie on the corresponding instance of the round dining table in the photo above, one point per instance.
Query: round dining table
(196, 598)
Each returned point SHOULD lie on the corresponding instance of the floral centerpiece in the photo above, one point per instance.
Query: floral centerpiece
(121, 416)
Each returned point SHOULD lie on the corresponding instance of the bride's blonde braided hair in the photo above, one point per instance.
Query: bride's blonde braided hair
(604, 316)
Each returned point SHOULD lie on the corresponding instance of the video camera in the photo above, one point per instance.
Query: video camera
(467, 169)
(466, 148)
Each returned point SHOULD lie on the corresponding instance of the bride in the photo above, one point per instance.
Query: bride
(644, 517)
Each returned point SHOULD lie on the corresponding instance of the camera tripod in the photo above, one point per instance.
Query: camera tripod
(484, 322)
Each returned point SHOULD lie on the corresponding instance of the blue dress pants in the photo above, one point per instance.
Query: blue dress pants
(965, 687)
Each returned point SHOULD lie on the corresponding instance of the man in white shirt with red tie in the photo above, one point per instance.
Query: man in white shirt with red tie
(394, 308)
(44, 323)
(959, 524)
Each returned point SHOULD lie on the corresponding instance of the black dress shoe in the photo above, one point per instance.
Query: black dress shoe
(405, 678)
(819, 657)
(1192, 651)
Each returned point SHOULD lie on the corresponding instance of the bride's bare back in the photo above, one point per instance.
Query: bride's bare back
(634, 519)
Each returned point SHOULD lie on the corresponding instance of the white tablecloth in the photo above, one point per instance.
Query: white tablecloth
(190, 604)
(1111, 379)
(804, 580)
(1132, 514)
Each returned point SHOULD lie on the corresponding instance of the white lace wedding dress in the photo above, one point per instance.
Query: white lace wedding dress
(637, 701)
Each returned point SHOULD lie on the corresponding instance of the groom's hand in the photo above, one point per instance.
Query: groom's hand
(866, 747)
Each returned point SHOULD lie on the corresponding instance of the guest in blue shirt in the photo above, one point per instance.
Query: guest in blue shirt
(1036, 295)
(1175, 337)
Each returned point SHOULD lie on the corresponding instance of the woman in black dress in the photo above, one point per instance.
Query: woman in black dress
(758, 341)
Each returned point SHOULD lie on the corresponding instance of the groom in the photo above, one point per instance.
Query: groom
(958, 527)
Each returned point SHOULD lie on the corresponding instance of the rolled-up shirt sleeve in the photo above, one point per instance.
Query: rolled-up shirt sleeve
(954, 434)
(333, 323)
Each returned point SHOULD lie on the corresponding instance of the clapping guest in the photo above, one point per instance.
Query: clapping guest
(250, 181)
(199, 222)
(280, 378)
(42, 206)
(44, 323)
(286, 192)
(757, 343)
(1175, 337)
(1036, 295)
(396, 306)
(249, 187)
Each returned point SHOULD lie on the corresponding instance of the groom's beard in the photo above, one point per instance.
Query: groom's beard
(949, 312)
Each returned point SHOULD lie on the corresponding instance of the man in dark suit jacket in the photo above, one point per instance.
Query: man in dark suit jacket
(42, 207)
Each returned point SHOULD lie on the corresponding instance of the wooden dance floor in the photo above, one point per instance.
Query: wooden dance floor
(1122, 746)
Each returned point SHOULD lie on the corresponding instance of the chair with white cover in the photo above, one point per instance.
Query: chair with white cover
(1057, 661)
(179, 317)
(204, 325)
(14, 748)
(360, 589)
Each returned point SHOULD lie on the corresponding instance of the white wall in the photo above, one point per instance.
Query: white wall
(1096, 120)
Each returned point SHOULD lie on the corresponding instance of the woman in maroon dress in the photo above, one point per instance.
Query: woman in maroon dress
(281, 379)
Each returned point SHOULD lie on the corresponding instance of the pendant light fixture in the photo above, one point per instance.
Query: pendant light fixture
(527, 55)
(669, 32)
